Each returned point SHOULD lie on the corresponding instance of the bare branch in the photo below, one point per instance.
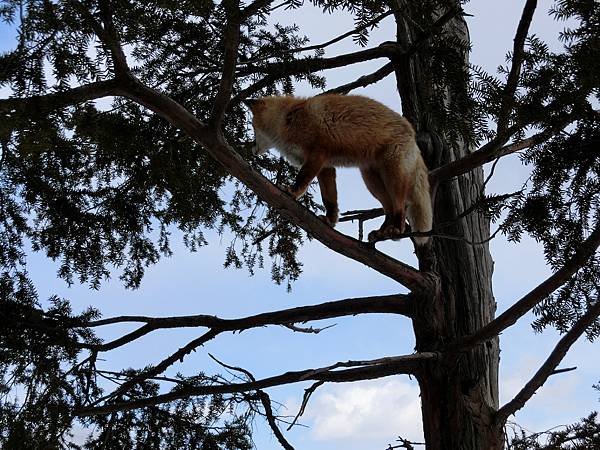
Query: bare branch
(549, 365)
(526, 303)
(518, 55)
(360, 370)
(162, 366)
(396, 303)
(307, 394)
(363, 81)
(266, 402)
(308, 330)
(488, 153)
(60, 99)
(307, 65)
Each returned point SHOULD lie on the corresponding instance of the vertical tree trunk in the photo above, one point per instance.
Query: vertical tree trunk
(460, 394)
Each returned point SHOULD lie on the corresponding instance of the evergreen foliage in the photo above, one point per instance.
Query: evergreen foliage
(99, 186)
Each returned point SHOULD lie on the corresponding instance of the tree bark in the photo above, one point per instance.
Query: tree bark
(460, 395)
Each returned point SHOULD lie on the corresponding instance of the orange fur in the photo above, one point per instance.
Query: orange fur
(320, 133)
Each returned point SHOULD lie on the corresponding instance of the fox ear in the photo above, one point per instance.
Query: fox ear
(252, 103)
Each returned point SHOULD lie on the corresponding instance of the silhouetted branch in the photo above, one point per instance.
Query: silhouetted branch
(518, 55)
(549, 365)
(509, 317)
(231, 42)
(358, 370)
(37, 103)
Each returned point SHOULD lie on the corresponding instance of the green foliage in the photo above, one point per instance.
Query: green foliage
(584, 435)
(101, 186)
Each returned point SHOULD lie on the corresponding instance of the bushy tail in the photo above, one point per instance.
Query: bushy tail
(419, 211)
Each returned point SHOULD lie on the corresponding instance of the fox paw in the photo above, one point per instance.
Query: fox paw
(328, 220)
(383, 234)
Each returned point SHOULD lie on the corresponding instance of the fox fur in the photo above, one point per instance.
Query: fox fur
(320, 133)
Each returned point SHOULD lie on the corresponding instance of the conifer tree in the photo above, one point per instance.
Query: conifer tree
(98, 188)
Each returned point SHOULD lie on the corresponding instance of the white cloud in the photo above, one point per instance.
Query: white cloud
(352, 414)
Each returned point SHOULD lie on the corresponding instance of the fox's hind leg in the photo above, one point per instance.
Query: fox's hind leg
(376, 186)
(328, 188)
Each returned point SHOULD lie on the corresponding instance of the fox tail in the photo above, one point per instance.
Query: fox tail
(419, 210)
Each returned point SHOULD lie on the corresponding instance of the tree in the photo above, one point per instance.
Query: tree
(99, 188)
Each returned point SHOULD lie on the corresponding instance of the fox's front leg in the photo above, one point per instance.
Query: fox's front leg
(328, 188)
(309, 170)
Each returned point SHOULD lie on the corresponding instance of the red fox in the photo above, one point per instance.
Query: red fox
(320, 133)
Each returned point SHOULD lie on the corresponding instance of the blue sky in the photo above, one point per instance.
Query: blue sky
(358, 415)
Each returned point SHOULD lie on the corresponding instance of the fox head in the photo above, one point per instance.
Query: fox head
(259, 109)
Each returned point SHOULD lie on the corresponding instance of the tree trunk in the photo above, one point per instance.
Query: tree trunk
(459, 395)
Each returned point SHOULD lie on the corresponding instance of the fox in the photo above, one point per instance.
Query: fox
(318, 134)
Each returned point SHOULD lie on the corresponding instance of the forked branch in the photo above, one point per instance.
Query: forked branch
(549, 366)
(391, 304)
(355, 371)
(526, 303)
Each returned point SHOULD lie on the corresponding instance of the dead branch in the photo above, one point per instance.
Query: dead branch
(549, 365)
(307, 394)
(539, 293)
(395, 303)
(359, 370)
(266, 402)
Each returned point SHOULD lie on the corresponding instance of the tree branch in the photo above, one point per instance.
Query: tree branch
(363, 81)
(215, 144)
(394, 304)
(266, 402)
(60, 99)
(490, 152)
(518, 56)
(549, 365)
(526, 303)
(231, 42)
(359, 370)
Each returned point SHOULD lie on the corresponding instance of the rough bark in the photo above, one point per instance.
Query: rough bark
(460, 395)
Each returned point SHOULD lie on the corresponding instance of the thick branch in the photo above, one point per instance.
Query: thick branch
(549, 365)
(217, 147)
(60, 99)
(359, 370)
(394, 304)
(525, 304)
(110, 37)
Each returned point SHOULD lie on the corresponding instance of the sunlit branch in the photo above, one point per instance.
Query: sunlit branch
(549, 366)
(355, 371)
(509, 317)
